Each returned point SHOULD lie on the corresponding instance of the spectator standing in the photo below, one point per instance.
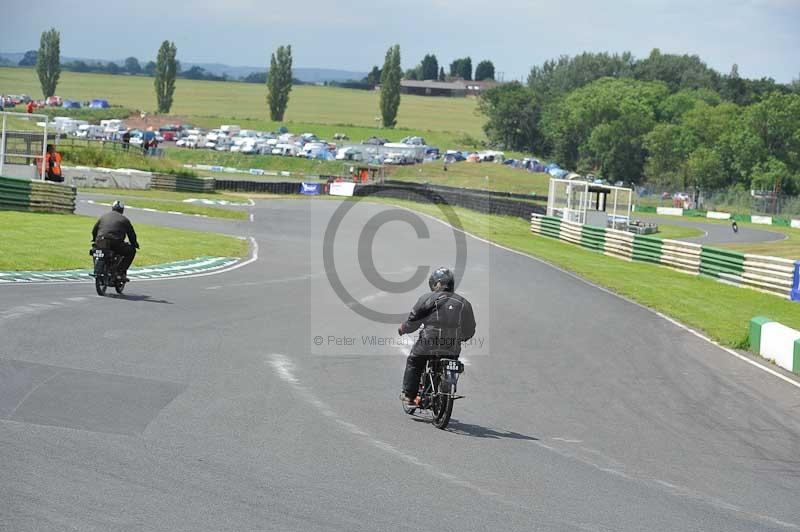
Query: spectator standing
(53, 164)
(30, 107)
(126, 140)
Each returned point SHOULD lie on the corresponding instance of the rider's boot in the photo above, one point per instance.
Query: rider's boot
(408, 400)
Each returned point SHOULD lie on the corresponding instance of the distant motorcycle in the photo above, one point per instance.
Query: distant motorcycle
(437, 390)
(735, 226)
(106, 266)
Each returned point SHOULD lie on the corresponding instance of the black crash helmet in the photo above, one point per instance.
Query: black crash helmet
(445, 277)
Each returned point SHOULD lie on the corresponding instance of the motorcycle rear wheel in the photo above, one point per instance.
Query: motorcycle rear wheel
(442, 406)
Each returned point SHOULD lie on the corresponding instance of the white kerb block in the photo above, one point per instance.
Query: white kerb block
(777, 343)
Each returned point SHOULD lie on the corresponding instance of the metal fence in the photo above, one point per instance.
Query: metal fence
(67, 141)
(23, 148)
(733, 200)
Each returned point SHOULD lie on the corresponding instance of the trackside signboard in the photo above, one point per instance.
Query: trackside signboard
(310, 189)
(341, 189)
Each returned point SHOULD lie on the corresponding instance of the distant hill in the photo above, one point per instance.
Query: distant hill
(309, 75)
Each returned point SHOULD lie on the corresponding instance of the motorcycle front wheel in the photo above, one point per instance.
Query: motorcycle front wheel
(119, 286)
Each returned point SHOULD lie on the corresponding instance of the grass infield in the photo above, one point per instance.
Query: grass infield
(62, 242)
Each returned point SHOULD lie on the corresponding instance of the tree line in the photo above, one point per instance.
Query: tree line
(666, 119)
(429, 69)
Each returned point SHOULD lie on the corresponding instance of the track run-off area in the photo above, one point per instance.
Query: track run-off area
(266, 397)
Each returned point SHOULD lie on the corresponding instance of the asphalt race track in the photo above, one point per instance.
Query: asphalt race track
(259, 400)
(718, 233)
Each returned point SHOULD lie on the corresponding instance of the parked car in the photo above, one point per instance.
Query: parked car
(169, 132)
(414, 141)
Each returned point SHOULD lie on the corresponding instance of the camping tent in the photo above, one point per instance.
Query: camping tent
(99, 104)
(71, 104)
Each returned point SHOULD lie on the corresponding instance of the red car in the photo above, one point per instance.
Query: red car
(168, 132)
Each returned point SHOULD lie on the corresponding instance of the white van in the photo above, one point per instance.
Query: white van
(90, 131)
(289, 150)
(230, 130)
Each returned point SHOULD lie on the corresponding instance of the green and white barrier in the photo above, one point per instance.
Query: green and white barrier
(776, 342)
(769, 274)
(36, 196)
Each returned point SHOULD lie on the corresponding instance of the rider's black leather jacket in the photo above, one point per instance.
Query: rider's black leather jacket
(448, 321)
(114, 226)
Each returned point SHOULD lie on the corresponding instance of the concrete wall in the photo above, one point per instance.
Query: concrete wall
(20, 171)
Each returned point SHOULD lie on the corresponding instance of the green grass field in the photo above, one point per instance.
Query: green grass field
(488, 176)
(208, 103)
(68, 239)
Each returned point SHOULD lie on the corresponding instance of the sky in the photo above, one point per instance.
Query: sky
(761, 36)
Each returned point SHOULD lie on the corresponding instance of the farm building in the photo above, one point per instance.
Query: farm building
(458, 88)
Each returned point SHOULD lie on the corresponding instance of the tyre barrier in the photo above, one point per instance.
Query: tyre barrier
(179, 183)
(773, 275)
(36, 196)
(264, 187)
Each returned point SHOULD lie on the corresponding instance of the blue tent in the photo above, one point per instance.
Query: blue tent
(71, 104)
(99, 104)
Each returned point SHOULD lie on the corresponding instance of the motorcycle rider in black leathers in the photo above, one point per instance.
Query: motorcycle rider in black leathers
(109, 233)
(447, 319)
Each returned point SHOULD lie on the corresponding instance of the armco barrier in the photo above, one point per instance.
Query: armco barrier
(769, 274)
(775, 342)
(179, 183)
(37, 196)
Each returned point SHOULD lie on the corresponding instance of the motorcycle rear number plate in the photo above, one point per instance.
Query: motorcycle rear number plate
(98, 253)
(455, 366)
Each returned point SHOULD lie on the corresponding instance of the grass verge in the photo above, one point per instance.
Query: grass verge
(187, 208)
(63, 242)
(676, 232)
(159, 194)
